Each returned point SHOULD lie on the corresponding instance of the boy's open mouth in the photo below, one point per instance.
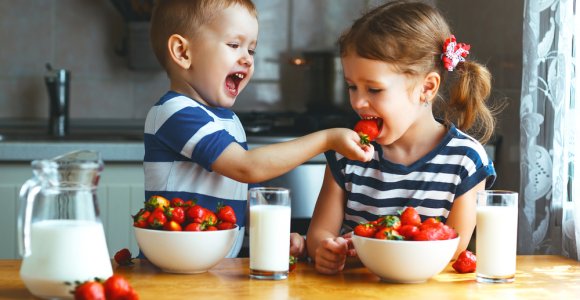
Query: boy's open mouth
(233, 82)
(378, 120)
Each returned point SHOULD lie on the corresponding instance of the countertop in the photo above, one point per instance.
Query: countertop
(537, 277)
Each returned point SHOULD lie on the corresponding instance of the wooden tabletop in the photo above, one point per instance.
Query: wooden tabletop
(538, 277)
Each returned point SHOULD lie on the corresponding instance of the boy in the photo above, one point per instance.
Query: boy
(195, 146)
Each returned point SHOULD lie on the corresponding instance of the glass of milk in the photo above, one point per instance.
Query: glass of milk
(269, 232)
(496, 236)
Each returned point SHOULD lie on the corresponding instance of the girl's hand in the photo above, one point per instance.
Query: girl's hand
(330, 257)
(297, 245)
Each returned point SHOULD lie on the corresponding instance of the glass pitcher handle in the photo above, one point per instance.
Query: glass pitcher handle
(28, 193)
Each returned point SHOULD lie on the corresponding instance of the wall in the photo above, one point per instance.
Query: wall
(84, 36)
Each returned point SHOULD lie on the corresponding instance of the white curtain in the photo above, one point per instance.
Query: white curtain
(550, 187)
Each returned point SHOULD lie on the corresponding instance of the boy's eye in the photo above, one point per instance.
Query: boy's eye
(252, 51)
(374, 91)
(234, 45)
(351, 87)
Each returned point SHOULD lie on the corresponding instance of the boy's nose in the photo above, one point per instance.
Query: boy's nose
(357, 101)
(247, 60)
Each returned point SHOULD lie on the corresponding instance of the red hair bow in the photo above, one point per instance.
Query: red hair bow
(454, 53)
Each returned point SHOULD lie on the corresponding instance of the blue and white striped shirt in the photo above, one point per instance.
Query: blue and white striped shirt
(182, 139)
(380, 187)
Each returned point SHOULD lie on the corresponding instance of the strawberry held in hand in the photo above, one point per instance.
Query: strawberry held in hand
(368, 130)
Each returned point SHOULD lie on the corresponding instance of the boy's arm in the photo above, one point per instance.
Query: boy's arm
(462, 216)
(270, 161)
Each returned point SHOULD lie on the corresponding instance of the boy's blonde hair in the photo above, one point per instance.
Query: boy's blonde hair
(184, 17)
(410, 36)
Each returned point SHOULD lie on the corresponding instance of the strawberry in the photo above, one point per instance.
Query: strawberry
(176, 202)
(365, 230)
(176, 214)
(123, 257)
(156, 201)
(466, 262)
(195, 213)
(226, 213)
(209, 217)
(140, 219)
(388, 233)
(225, 225)
(172, 226)
(410, 216)
(90, 290)
(195, 227)
(157, 218)
(367, 129)
(292, 263)
(408, 231)
(211, 228)
(116, 287)
(390, 221)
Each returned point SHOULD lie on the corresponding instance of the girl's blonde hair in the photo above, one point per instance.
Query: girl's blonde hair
(184, 17)
(410, 37)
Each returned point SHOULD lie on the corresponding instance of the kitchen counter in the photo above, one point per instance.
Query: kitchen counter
(538, 277)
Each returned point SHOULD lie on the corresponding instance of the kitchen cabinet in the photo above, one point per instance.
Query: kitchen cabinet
(120, 194)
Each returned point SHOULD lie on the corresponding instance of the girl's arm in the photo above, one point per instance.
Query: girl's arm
(270, 161)
(325, 247)
(462, 216)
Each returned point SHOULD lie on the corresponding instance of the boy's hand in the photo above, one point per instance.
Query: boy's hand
(297, 245)
(347, 143)
(330, 257)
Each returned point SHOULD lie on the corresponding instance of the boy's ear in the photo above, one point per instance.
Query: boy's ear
(179, 52)
(430, 86)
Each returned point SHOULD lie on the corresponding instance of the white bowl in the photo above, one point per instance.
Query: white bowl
(404, 261)
(185, 252)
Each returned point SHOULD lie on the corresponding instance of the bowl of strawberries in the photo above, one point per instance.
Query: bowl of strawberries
(183, 237)
(402, 249)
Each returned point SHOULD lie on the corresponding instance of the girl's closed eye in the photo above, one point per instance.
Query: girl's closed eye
(233, 45)
(374, 91)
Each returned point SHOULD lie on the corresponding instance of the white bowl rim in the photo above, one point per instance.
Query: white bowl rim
(401, 241)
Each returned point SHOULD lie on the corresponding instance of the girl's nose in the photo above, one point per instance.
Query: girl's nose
(357, 101)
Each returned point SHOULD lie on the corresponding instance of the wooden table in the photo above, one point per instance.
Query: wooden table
(538, 277)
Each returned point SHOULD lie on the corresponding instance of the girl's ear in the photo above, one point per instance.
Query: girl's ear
(430, 86)
(179, 51)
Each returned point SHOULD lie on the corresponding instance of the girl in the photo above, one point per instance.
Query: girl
(395, 60)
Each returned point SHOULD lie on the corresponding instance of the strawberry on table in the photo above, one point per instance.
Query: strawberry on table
(117, 287)
(292, 263)
(90, 290)
(465, 263)
(367, 129)
(123, 257)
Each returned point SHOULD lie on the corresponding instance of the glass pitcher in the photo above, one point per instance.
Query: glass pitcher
(61, 237)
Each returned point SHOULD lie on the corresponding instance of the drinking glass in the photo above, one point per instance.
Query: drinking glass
(269, 232)
(496, 236)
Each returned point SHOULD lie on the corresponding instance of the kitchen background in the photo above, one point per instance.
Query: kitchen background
(90, 38)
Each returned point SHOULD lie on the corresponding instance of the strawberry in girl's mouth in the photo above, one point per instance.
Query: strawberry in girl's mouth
(368, 129)
(233, 81)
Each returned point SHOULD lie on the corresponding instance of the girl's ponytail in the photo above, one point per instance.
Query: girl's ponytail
(468, 94)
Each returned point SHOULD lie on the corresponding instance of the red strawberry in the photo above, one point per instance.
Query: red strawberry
(226, 213)
(172, 226)
(389, 221)
(408, 231)
(140, 219)
(388, 233)
(195, 213)
(195, 227)
(157, 218)
(367, 129)
(176, 202)
(156, 201)
(209, 217)
(176, 214)
(90, 290)
(365, 230)
(292, 263)
(225, 225)
(410, 216)
(116, 287)
(466, 262)
(123, 257)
